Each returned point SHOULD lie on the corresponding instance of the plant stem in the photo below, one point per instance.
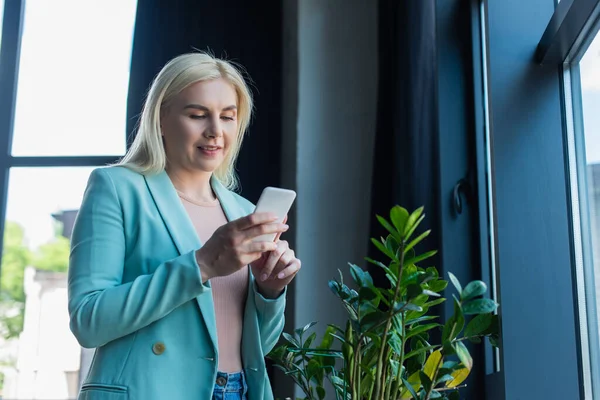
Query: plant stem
(387, 387)
(356, 369)
(397, 386)
(384, 339)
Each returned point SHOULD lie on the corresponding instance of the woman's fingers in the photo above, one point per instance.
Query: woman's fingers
(254, 219)
(263, 229)
(260, 247)
(275, 258)
(279, 234)
(289, 271)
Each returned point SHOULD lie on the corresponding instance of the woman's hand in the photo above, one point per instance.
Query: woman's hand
(276, 269)
(231, 247)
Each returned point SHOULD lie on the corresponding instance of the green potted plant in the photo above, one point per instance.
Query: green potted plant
(384, 351)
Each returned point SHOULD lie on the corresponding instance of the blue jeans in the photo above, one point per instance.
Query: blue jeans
(230, 386)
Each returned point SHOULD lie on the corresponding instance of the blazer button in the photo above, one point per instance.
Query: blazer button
(158, 348)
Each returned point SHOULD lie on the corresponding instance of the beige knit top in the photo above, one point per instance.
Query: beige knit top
(229, 292)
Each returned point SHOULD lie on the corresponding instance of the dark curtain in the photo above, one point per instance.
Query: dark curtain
(406, 164)
(237, 30)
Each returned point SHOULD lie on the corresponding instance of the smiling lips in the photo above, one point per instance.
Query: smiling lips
(209, 150)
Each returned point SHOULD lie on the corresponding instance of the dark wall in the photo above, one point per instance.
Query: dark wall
(237, 30)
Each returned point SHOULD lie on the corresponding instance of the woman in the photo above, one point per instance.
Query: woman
(159, 281)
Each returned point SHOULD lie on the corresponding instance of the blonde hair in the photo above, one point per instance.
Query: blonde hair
(147, 154)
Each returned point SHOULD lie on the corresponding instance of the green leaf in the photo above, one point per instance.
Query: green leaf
(455, 282)
(389, 227)
(414, 227)
(366, 382)
(395, 342)
(451, 365)
(292, 340)
(375, 262)
(479, 306)
(412, 221)
(367, 293)
(399, 217)
(392, 244)
(417, 240)
(421, 257)
(409, 306)
(300, 331)
(473, 289)
(434, 302)
(478, 325)
(321, 392)
(338, 337)
(494, 327)
(425, 381)
(419, 351)
(438, 285)
(366, 307)
(314, 370)
(382, 248)
(372, 319)
(309, 341)
(443, 378)
(420, 319)
(360, 276)
(455, 323)
(463, 355)
(420, 329)
(494, 341)
(327, 340)
(408, 385)
(413, 291)
(430, 293)
(433, 272)
(454, 396)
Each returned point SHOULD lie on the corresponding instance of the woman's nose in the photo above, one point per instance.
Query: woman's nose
(213, 129)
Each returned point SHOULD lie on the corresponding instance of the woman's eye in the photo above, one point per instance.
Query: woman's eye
(197, 116)
(227, 118)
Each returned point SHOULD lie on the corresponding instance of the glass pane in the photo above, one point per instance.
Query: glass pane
(590, 149)
(39, 356)
(73, 78)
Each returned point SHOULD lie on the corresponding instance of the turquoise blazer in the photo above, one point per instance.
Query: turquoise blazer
(136, 294)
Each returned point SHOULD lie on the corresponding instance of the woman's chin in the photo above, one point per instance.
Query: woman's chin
(209, 167)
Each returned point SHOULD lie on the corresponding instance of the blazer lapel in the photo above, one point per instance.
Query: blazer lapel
(229, 203)
(184, 237)
(173, 213)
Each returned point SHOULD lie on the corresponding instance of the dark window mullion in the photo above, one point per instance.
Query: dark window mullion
(61, 161)
(12, 29)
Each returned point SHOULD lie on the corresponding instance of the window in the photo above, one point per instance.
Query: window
(39, 346)
(582, 84)
(73, 78)
(70, 100)
(590, 92)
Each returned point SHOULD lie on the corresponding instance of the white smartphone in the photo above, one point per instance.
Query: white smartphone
(277, 201)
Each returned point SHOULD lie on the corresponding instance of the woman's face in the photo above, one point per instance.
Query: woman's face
(200, 125)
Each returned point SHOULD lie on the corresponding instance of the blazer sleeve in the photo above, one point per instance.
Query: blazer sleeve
(271, 318)
(101, 307)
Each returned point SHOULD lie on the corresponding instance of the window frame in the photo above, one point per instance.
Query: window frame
(10, 53)
(572, 28)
